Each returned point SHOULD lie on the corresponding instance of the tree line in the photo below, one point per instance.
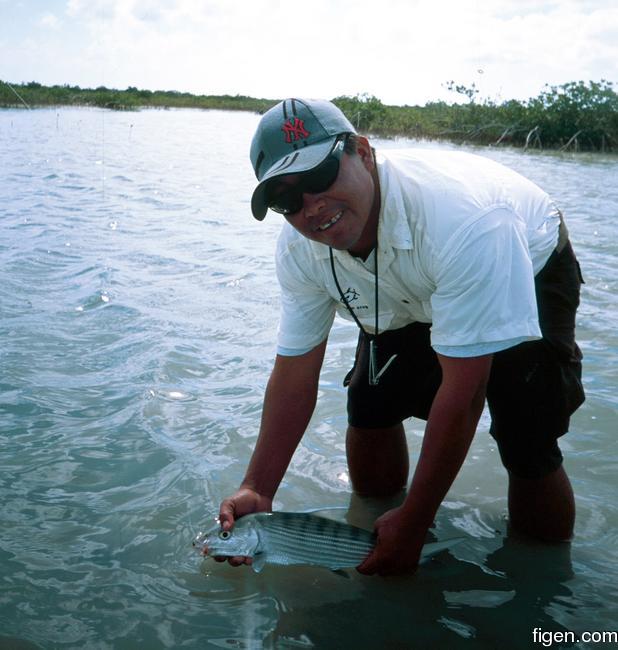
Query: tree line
(574, 116)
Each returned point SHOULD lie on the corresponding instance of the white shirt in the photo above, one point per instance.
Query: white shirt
(460, 239)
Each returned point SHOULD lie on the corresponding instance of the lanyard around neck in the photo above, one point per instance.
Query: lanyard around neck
(374, 373)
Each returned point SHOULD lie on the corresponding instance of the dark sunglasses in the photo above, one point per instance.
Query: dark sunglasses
(288, 199)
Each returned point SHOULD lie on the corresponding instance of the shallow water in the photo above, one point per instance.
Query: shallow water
(138, 312)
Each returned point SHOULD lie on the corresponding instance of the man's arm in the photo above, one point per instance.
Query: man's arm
(450, 428)
(289, 401)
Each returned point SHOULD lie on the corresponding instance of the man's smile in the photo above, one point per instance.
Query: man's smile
(331, 222)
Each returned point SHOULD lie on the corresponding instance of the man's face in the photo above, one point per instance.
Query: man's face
(344, 216)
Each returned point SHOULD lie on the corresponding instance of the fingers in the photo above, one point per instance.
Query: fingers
(227, 511)
(368, 565)
(234, 561)
(226, 514)
(376, 564)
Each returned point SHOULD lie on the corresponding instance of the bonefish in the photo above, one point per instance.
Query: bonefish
(296, 538)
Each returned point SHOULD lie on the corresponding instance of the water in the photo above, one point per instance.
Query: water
(138, 311)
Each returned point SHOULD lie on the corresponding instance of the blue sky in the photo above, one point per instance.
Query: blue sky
(402, 51)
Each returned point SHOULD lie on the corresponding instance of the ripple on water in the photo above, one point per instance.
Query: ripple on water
(137, 322)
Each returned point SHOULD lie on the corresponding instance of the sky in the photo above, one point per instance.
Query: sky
(401, 51)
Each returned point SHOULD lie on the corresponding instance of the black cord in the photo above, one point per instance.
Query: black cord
(344, 300)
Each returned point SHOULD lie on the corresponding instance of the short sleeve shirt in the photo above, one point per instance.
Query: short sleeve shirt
(460, 239)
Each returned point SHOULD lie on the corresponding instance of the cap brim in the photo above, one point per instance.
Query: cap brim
(299, 161)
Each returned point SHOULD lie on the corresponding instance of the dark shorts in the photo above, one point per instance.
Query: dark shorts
(533, 387)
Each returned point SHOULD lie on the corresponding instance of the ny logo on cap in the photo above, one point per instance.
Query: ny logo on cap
(294, 130)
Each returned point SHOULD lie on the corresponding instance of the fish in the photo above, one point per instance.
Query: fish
(297, 538)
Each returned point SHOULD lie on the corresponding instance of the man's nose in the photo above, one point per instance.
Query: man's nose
(313, 204)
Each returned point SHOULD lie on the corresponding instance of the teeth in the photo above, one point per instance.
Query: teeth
(333, 221)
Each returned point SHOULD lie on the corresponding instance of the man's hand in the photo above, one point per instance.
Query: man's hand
(398, 547)
(243, 502)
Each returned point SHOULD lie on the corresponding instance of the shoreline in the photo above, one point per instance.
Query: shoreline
(577, 116)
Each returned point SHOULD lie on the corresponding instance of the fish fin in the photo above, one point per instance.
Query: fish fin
(433, 548)
(259, 560)
(312, 511)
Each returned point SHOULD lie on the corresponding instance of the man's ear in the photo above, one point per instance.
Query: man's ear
(364, 150)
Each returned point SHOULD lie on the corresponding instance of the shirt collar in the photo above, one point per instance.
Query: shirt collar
(394, 224)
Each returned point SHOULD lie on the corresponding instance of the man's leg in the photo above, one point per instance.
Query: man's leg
(377, 449)
(543, 508)
(534, 389)
(378, 460)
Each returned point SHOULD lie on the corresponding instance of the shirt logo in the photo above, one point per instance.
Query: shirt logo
(294, 130)
(350, 296)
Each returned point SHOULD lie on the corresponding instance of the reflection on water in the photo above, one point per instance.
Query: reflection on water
(138, 314)
(467, 599)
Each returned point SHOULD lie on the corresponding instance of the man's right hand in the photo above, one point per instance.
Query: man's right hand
(243, 502)
(290, 396)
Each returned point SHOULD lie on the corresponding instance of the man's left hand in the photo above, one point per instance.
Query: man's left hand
(398, 548)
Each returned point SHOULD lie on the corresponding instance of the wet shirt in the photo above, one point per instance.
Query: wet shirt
(460, 239)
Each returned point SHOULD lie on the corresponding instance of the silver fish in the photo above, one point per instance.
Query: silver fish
(300, 538)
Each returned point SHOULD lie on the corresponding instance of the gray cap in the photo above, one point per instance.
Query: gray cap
(292, 137)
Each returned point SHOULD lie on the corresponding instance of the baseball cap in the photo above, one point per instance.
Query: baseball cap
(292, 137)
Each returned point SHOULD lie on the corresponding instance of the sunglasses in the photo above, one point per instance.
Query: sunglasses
(288, 199)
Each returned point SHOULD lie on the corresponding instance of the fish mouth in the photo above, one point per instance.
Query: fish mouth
(201, 545)
(331, 222)
(202, 549)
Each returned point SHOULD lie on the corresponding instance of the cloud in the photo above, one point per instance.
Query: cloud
(89, 9)
(49, 21)
(402, 51)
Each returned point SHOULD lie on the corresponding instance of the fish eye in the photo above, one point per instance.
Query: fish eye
(225, 534)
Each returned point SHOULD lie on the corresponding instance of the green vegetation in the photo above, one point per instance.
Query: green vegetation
(36, 95)
(574, 116)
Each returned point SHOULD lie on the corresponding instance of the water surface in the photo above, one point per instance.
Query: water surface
(138, 313)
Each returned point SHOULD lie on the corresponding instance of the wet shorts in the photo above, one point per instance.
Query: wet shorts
(533, 387)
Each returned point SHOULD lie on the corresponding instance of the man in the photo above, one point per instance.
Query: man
(460, 275)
